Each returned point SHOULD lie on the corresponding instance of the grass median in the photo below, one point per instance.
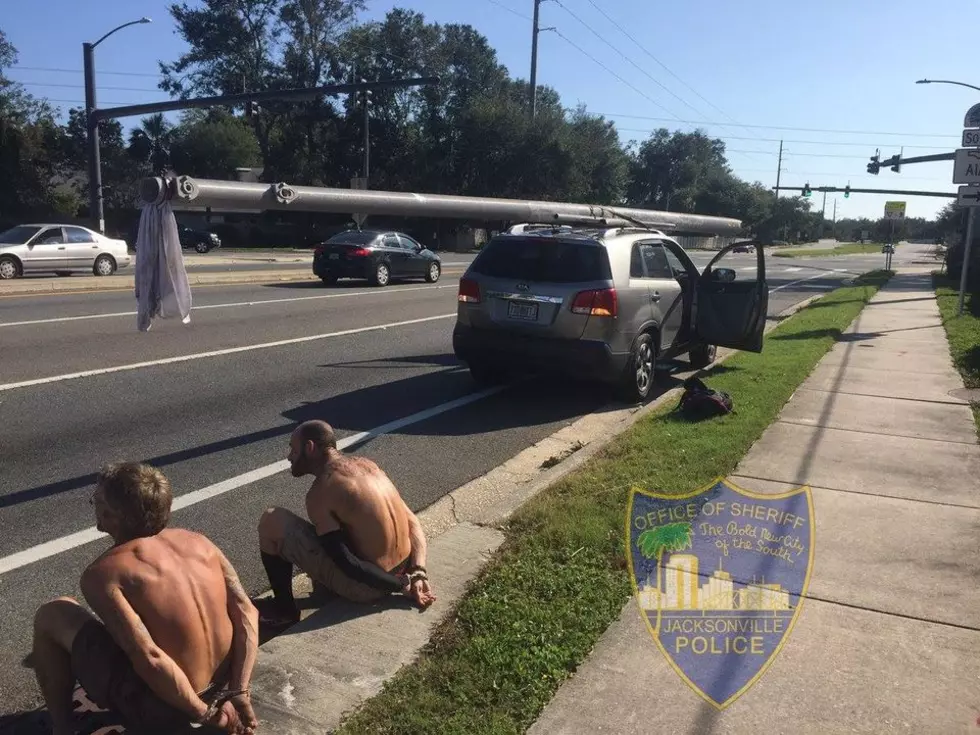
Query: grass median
(560, 579)
(962, 332)
(854, 248)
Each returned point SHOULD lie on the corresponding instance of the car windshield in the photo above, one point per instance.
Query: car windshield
(18, 235)
(542, 260)
(353, 238)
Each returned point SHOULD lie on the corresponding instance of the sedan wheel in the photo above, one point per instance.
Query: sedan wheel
(381, 275)
(432, 275)
(104, 266)
(202, 248)
(8, 268)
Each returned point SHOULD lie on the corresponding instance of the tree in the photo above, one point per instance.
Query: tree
(213, 145)
(654, 542)
(670, 170)
(151, 141)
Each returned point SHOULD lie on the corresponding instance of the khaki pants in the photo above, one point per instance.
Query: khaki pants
(301, 547)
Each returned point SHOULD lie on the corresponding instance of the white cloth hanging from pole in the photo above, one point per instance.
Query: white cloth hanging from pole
(162, 289)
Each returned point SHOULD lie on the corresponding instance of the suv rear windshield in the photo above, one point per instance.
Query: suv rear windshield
(543, 260)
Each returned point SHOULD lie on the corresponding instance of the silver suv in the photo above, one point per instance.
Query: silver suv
(601, 304)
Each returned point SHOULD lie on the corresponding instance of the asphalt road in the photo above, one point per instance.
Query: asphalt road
(253, 362)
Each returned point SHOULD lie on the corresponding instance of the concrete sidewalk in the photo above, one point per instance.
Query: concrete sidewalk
(889, 637)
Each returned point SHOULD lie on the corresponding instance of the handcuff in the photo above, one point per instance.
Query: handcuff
(417, 573)
(215, 706)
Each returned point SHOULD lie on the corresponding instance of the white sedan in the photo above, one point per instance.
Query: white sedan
(49, 248)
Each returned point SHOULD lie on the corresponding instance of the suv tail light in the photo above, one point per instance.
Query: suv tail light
(601, 302)
(469, 291)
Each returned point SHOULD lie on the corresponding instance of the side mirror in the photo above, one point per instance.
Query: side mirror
(723, 275)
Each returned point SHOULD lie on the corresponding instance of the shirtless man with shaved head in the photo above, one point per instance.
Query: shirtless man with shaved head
(361, 541)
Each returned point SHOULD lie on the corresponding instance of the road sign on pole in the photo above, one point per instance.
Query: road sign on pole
(894, 210)
(971, 139)
(968, 196)
(966, 166)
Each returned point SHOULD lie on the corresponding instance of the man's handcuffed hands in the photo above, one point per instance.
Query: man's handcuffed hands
(418, 589)
(235, 715)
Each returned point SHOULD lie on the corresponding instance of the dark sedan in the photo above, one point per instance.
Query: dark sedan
(375, 256)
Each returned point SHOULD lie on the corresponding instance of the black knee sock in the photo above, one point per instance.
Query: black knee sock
(280, 574)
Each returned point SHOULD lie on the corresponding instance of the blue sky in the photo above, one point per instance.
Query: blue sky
(835, 80)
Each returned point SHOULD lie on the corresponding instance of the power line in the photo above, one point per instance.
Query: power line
(644, 71)
(510, 10)
(82, 86)
(595, 60)
(802, 142)
(782, 127)
(79, 71)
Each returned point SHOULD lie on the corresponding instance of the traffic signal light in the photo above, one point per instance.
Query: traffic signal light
(806, 189)
(847, 191)
(251, 108)
(875, 164)
(898, 165)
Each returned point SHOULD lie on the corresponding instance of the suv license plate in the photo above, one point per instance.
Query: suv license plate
(526, 312)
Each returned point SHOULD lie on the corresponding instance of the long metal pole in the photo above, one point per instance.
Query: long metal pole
(534, 60)
(779, 168)
(966, 258)
(92, 130)
(367, 136)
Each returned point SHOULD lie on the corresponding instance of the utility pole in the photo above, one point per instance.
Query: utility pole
(534, 59)
(367, 134)
(779, 168)
(92, 128)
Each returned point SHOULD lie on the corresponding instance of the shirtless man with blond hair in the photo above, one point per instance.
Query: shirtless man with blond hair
(175, 626)
(361, 541)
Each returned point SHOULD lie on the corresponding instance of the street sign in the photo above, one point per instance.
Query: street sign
(971, 139)
(966, 166)
(894, 210)
(972, 117)
(968, 196)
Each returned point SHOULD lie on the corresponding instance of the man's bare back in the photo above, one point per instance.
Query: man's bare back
(175, 583)
(361, 542)
(357, 496)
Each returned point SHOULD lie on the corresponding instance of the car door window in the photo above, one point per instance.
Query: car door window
(636, 263)
(675, 264)
(77, 234)
(391, 241)
(409, 244)
(52, 236)
(655, 261)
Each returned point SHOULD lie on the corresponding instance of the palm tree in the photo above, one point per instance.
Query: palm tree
(151, 141)
(655, 541)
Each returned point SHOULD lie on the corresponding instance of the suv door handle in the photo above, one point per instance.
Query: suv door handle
(655, 296)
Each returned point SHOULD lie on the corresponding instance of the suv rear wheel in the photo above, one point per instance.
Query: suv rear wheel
(637, 379)
(702, 355)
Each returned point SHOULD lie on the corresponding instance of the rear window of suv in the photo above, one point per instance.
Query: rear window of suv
(543, 260)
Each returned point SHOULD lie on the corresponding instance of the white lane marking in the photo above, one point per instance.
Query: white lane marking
(74, 540)
(56, 320)
(748, 268)
(792, 270)
(822, 274)
(218, 353)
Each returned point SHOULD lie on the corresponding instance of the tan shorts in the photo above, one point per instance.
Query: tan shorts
(301, 547)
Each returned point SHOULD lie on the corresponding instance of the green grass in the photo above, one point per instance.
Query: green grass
(560, 579)
(962, 332)
(853, 248)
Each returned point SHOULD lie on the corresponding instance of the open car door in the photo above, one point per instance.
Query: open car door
(729, 313)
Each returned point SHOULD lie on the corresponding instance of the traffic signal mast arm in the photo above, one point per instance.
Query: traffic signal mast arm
(897, 161)
(871, 191)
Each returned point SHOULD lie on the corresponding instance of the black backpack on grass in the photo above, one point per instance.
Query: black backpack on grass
(700, 402)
